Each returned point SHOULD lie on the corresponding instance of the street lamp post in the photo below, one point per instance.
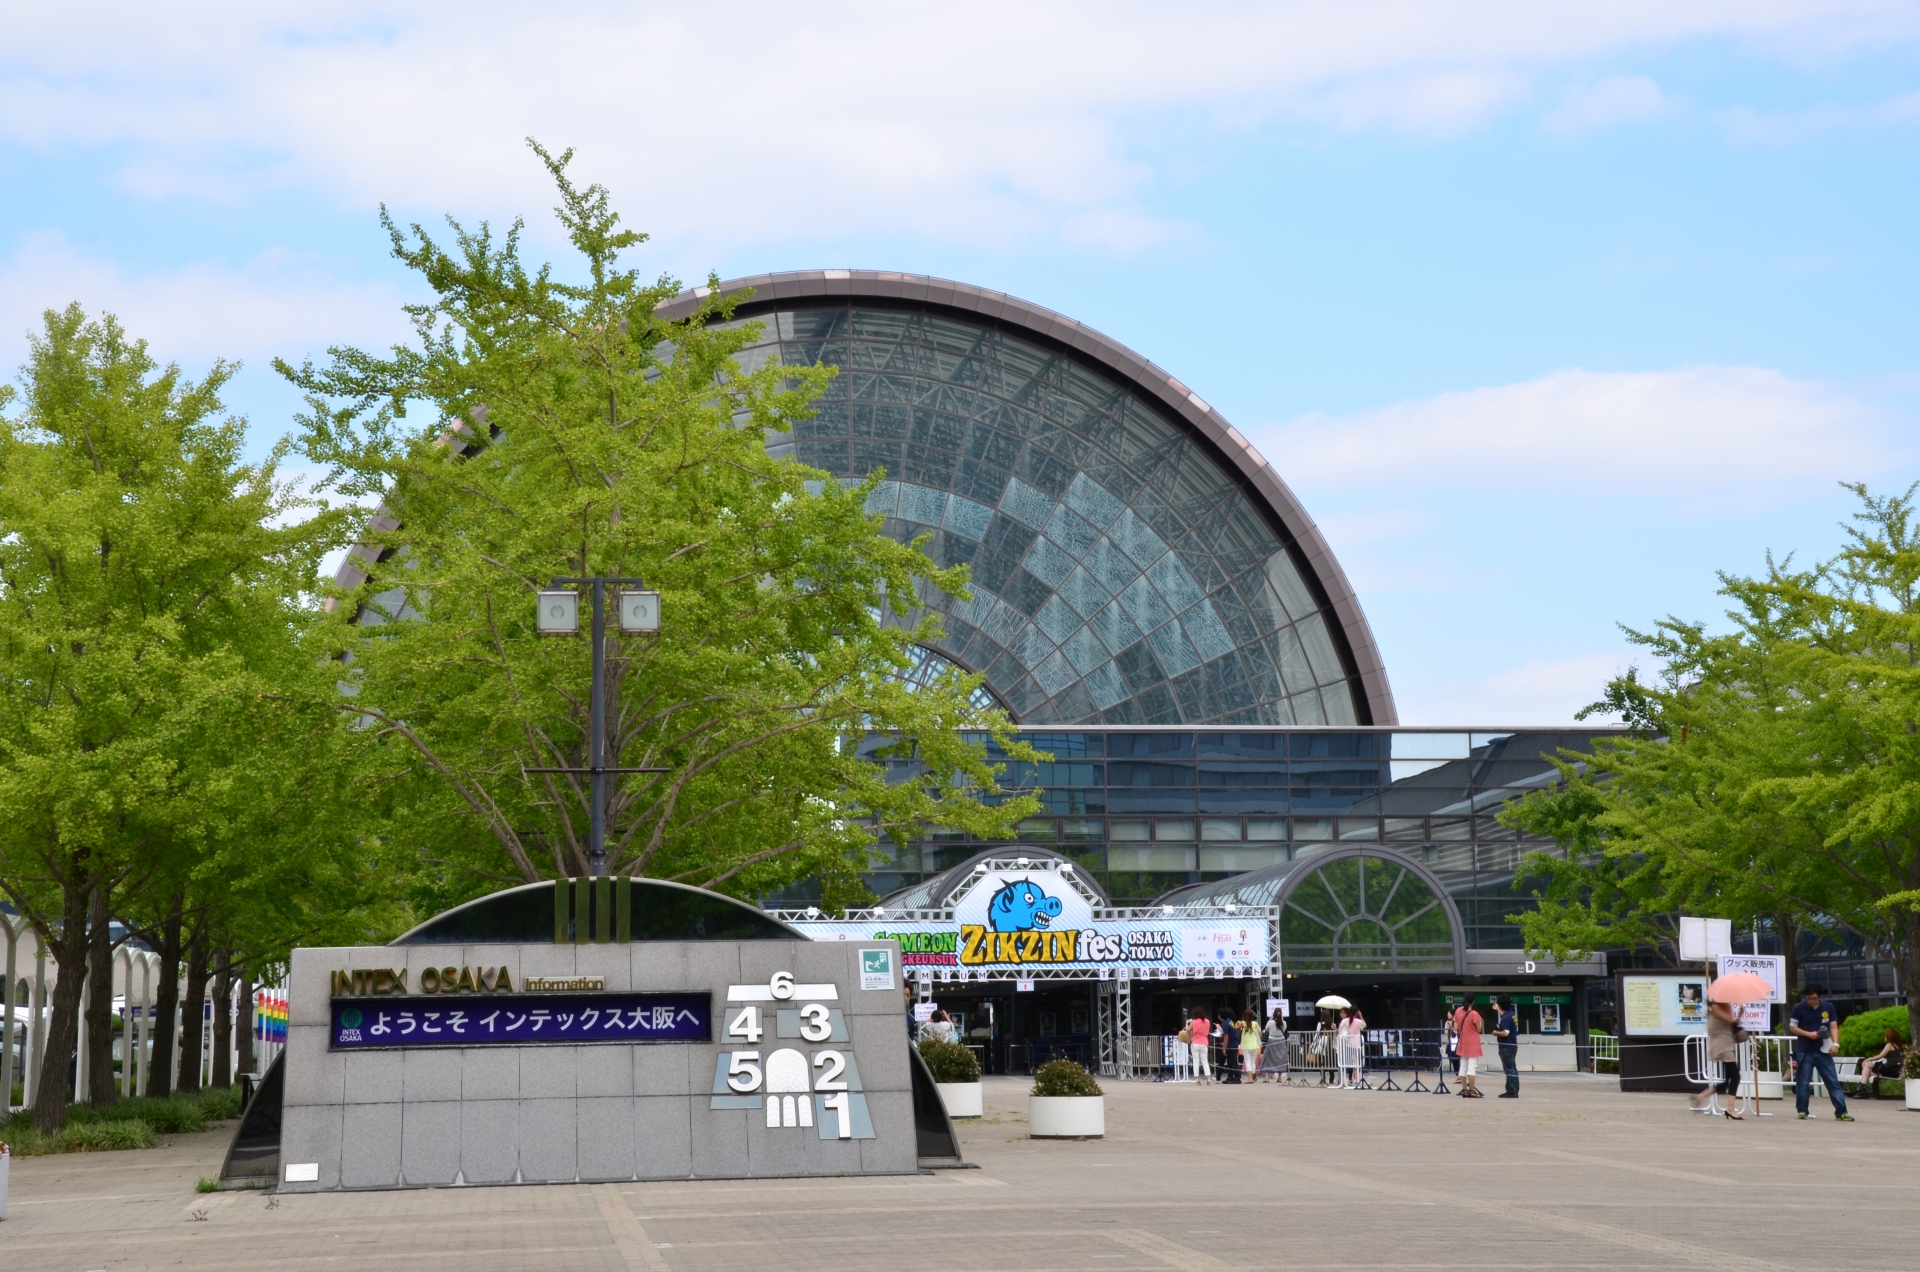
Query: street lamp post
(558, 614)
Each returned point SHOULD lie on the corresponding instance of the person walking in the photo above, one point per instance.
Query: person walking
(1466, 1026)
(1249, 1033)
(1507, 1029)
(1723, 1048)
(1199, 1027)
(1816, 1032)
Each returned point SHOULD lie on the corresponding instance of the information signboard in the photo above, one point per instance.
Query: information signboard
(519, 1020)
(1663, 1006)
(1013, 922)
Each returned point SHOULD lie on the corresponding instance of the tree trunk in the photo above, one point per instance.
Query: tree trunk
(69, 950)
(193, 1010)
(101, 1088)
(223, 1021)
(245, 1023)
(166, 1005)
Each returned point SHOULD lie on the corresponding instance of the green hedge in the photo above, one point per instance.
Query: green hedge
(1865, 1033)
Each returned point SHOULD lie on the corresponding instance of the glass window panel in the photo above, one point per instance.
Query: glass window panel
(1410, 898)
(1289, 587)
(1245, 800)
(1337, 702)
(1240, 859)
(917, 503)
(1209, 635)
(1072, 532)
(965, 517)
(1080, 828)
(1342, 879)
(1147, 773)
(1295, 671)
(1312, 896)
(1082, 591)
(1059, 622)
(1082, 647)
(1220, 828)
(1027, 504)
(1127, 830)
(1325, 663)
(1306, 708)
(1406, 828)
(1145, 605)
(1428, 746)
(1038, 828)
(1137, 539)
(1360, 828)
(1177, 829)
(1156, 857)
(1110, 566)
(1313, 828)
(1452, 828)
(813, 324)
(1174, 650)
(1107, 686)
(1216, 773)
(1266, 828)
(1137, 664)
(1093, 501)
(1049, 561)
(1380, 877)
(1055, 674)
(1176, 584)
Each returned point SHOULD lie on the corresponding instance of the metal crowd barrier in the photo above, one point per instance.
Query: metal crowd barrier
(1369, 1061)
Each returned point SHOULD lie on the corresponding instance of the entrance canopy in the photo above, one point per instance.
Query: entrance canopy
(1035, 915)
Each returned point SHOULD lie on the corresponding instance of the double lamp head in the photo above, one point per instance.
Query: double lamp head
(559, 612)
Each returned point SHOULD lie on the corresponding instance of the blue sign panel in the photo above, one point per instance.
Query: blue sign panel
(520, 1020)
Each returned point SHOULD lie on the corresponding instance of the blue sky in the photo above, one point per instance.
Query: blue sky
(1546, 315)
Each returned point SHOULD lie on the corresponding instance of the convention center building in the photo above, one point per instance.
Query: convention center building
(1156, 610)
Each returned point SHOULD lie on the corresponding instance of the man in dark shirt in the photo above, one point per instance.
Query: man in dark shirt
(1816, 1031)
(1507, 1030)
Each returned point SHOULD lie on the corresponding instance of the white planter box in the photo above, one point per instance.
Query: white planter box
(963, 1099)
(1913, 1103)
(5, 1159)
(1066, 1116)
(1772, 1085)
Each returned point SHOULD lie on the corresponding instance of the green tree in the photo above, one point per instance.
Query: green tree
(570, 431)
(143, 567)
(1774, 768)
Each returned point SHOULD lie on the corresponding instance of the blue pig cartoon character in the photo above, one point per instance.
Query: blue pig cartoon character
(1022, 907)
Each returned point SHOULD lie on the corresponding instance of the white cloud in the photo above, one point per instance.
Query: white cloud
(275, 304)
(1617, 99)
(1712, 433)
(731, 123)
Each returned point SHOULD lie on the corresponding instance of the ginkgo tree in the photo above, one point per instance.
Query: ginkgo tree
(1773, 767)
(538, 428)
(151, 630)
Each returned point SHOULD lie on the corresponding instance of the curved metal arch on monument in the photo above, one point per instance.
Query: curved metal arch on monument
(1135, 559)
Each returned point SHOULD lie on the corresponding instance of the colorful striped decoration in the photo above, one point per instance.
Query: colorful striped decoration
(270, 1015)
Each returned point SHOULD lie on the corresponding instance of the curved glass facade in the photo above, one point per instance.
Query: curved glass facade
(1120, 575)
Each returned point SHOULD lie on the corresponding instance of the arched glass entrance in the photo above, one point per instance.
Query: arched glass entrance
(1363, 914)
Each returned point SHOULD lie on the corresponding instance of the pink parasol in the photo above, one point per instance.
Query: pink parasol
(1739, 987)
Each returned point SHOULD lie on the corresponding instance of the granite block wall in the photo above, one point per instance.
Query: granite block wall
(591, 1112)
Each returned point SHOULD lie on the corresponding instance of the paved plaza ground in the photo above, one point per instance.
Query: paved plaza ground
(1573, 1175)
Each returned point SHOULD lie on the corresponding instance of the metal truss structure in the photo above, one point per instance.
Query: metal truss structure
(1116, 1050)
